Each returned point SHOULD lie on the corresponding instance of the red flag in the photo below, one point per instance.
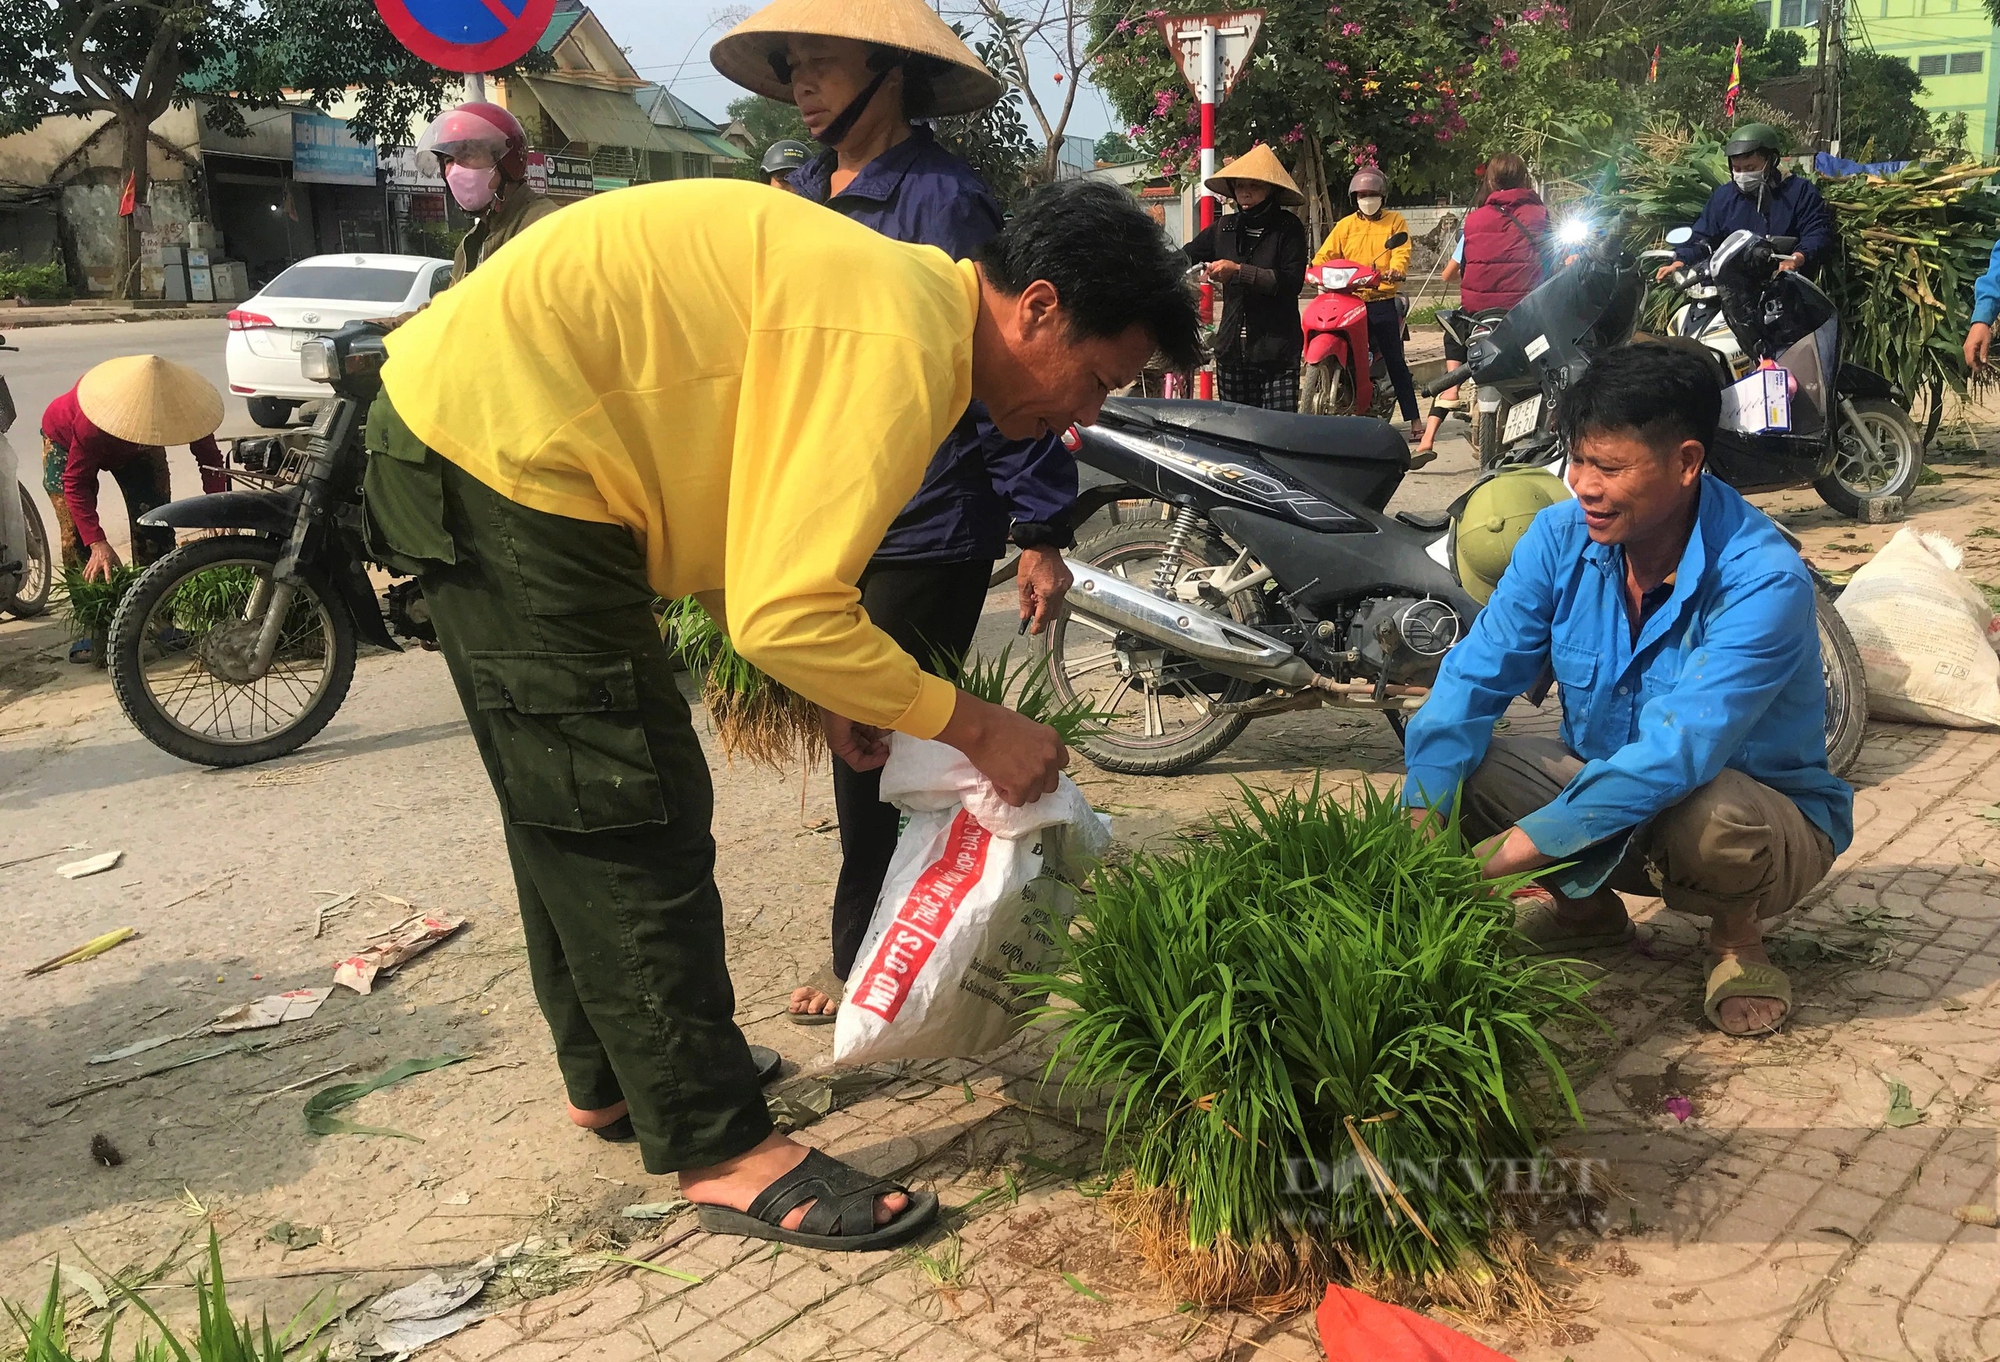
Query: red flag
(1653, 74)
(1735, 82)
(129, 201)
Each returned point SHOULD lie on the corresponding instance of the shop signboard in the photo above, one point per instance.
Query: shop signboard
(408, 170)
(325, 152)
(602, 183)
(560, 177)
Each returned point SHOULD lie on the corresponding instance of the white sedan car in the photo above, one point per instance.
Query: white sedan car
(313, 297)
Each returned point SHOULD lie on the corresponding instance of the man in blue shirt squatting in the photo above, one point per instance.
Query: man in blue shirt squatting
(1985, 310)
(1680, 626)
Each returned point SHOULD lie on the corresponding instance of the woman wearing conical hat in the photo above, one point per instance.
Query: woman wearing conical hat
(860, 71)
(1258, 255)
(118, 419)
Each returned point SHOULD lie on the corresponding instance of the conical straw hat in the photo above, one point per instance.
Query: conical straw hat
(744, 54)
(149, 401)
(1258, 163)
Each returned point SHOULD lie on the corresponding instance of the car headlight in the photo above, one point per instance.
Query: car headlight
(316, 360)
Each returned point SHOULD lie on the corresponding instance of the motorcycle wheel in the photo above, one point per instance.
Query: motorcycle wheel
(1846, 687)
(32, 596)
(180, 643)
(1858, 474)
(1321, 391)
(1486, 436)
(1154, 727)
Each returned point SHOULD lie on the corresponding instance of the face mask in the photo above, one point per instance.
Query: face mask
(1369, 204)
(1749, 181)
(473, 189)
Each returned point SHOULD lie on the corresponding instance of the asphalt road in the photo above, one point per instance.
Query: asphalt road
(51, 360)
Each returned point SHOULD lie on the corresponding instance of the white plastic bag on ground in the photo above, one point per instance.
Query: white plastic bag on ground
(964, 906)
(1926, 635)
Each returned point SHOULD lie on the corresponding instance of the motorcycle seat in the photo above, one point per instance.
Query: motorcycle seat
(1342, 439)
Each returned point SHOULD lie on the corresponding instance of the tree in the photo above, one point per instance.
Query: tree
(993, 140)
(1056, 30)
(1114, 147)
(135, 59)
(1880, 119)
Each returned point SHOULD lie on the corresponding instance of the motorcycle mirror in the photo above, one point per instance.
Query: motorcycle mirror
(1680, 236)
(1397, 239)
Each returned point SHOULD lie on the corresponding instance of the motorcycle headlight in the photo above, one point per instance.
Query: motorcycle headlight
(1574, 232)
(1337, 279)
(316, 360)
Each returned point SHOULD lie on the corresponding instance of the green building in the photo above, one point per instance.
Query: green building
(1953, 45)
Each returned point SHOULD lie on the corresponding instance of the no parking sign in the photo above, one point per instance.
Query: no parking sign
(467, 35)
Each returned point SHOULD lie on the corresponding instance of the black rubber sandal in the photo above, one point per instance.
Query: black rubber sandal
(768, 1061)
(841, 1218)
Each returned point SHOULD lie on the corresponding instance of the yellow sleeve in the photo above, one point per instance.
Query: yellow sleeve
(1329, 249)
(1399, 259)
(834, 430)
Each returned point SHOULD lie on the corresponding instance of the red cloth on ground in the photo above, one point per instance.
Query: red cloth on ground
(1358, 1328)
(92, 452)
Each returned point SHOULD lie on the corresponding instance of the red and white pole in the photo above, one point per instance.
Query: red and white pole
(1206, 91)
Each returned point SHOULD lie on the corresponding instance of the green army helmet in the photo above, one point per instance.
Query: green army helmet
(1754, 137)
(1497, 513)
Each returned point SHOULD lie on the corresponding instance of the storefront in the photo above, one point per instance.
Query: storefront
(420, 219)
(339, 174)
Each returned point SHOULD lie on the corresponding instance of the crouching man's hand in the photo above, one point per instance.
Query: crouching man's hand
(862, 746)
(1021, 757)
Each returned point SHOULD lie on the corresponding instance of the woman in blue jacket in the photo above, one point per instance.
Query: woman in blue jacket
(858, 91)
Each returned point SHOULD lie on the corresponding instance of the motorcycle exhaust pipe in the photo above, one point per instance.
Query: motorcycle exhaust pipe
(1230, 648)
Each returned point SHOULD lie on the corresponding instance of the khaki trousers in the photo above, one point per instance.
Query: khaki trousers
(1733, 847)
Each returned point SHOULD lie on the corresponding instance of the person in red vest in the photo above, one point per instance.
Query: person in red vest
(1502, 256)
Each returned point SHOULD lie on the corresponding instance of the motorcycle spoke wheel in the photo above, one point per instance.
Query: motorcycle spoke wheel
(31, 597)
(183, 645)
(1156, 720)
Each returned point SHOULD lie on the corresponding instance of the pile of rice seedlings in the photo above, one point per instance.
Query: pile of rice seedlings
(1323, 1058)
(755, 717)
(1024, 687)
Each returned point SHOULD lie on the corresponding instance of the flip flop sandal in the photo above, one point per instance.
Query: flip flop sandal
(1420, 457)
(767, 1060)
(827, 982)
(1746, 979)
(1546, 934)
(841, 1218)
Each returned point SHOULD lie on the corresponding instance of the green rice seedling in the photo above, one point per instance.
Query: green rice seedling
(89, 606)
(754, 716)
(1323, 1053)
(1025, 687)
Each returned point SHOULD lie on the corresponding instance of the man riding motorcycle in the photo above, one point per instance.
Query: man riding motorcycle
(1763, 198)
(482, 152)
(782, 159)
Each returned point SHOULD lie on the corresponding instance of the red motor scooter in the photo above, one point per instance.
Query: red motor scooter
(1343, 376)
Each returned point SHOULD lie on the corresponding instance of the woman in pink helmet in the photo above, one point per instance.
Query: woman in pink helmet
(482, 152)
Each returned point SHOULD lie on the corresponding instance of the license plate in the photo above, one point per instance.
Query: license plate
(298, 339)
(1522, 419)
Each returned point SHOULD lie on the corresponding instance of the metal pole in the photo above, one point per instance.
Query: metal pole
(1836, 58)
(1206, 93)
(1823, 97)
(475, 87)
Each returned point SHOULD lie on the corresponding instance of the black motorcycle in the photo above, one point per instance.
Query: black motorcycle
(239, 646)
(1276, 581)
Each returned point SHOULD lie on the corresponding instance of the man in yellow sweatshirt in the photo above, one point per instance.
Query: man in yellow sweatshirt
(1363, 237)
(677, 389)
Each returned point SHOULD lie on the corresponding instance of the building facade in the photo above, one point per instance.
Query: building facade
(1953, 45)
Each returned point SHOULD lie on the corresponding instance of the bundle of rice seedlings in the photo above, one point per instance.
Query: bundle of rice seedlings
(89, 606)
(755, 717)
(1324, 1058)
(1024, 686)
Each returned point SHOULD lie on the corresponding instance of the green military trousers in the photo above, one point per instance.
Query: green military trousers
(547, 625)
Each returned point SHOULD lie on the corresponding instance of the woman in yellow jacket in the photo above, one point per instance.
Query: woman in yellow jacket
(1363, 236)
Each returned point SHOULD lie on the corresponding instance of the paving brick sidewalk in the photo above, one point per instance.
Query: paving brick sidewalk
(1783, 1219)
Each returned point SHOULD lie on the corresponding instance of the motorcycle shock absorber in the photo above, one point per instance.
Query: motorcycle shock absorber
(1169, 570)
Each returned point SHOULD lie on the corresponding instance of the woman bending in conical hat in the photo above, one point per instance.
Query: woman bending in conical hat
(118, 419)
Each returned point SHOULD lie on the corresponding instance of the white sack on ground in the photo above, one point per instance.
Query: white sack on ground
(1926, 635)
(964, 906)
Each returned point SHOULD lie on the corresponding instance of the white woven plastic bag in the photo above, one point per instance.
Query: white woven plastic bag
(964, 905)
(1926, 635)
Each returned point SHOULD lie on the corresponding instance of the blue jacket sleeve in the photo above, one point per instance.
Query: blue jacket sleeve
(1707, 228)
(1813, 222)
(1753, 647)
(1503, 655)
(1986, 291)
(963, 223)
(1036, 478)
